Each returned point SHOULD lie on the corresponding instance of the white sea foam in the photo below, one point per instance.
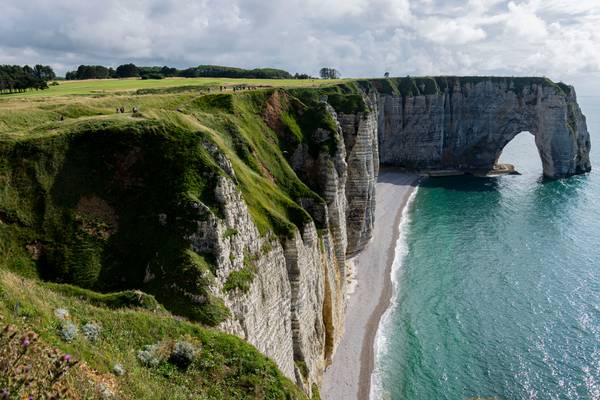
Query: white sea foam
(384, 329)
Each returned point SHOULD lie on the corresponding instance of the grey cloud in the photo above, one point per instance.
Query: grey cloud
(361, 38)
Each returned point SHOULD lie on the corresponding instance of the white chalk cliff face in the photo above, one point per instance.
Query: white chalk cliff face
(294, 309)
(467, 126)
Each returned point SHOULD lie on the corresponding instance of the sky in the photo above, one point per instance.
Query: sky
(555, 38)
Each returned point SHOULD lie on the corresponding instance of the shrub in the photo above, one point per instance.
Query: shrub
(182, 355)
(62, 314)
(105, 392)
(124, 299)
(243, 278)
(230, 232)
(150, 355)
(118, 370)
(68, 331)
(91, 331)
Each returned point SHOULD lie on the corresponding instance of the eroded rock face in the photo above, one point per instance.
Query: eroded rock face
(360, 138)
(262, 314)
(468, 125)
(293, 308)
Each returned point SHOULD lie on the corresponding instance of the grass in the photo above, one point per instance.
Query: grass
(225, 368)
(110, 86)
(242, 279)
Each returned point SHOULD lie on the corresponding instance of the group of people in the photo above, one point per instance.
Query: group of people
(121, 110)
(236, 88)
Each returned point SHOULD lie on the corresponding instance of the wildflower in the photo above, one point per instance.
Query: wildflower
(66, 358)
(25, 343)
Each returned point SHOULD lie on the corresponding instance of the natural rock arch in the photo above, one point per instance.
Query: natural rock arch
(466, 125)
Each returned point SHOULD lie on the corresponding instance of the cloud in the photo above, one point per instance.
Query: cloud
(558, 38)
(442, 31)
(523, 22)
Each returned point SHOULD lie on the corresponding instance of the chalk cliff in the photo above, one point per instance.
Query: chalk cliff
(464, 123)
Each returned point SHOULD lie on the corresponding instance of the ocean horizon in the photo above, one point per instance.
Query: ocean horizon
(496, 286)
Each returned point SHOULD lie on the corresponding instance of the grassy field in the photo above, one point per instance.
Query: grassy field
(108, 86)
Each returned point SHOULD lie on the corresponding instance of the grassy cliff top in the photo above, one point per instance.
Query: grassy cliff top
(99, 87)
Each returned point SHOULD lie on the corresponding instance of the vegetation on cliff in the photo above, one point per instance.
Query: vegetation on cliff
(224, 367)
(96, 208)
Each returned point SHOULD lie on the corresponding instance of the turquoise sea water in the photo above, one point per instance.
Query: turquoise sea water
(498, 293)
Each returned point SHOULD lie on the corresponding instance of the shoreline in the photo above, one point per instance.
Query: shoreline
(367, 353)
(373, 268)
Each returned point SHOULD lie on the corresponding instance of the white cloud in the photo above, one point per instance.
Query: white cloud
(523, 22)
(558, 38)
(443, 31)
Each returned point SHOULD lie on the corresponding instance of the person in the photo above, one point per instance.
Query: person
(135, 110)
(62, 117)
(122, 110)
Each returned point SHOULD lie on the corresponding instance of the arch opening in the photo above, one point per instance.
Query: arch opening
(522, 155)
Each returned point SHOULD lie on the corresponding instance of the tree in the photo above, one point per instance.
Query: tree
(127, 71)
(302, 76)
(329, 73)
(44, 72)
(14, 78)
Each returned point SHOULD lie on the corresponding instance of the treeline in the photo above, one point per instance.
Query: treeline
(201, 71)
(18, 79)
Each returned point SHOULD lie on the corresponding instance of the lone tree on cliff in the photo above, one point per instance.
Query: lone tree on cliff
(329, 73)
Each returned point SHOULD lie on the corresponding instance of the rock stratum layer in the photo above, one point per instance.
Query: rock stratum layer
(239, 211)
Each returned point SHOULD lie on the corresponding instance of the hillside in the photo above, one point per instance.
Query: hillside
(103, 200)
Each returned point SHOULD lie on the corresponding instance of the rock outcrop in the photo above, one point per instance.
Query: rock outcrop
(466, 124)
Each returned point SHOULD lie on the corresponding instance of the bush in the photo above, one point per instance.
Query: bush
(182, 355)
(124, 299)
(62, 314)
(91, 331)
(68, 331)
(118, 370)
(150, 355)
(152, 76)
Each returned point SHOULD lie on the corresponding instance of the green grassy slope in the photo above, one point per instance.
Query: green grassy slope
(224, 367)
(84, 196)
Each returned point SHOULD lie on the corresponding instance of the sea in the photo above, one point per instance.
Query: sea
(497, 286)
